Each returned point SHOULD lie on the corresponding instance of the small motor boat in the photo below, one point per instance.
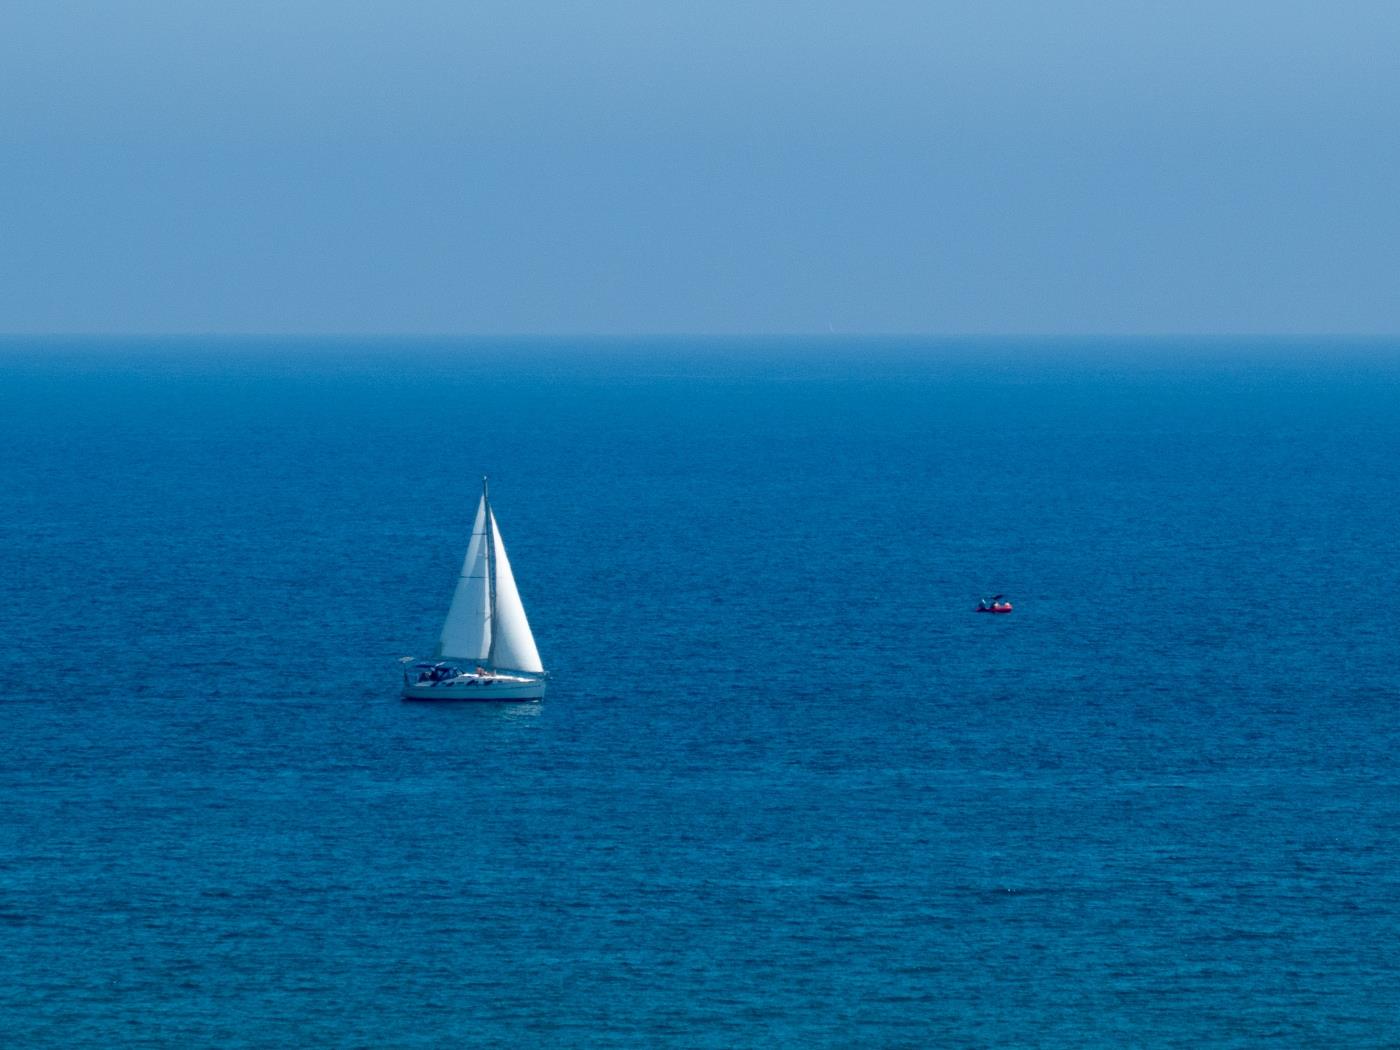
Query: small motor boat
(996, 605)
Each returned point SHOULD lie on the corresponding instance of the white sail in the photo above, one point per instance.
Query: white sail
(515, 645)
(466, 635)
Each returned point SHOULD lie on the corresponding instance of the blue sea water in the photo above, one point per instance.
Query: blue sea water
(787, 789)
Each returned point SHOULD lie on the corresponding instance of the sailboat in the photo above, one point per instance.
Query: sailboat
(486, 650)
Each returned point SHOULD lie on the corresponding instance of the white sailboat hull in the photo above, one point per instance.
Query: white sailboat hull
(472, 687)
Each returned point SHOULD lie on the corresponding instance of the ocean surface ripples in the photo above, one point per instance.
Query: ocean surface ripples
(787, 789)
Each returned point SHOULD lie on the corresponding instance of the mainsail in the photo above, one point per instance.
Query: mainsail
(466, 634)
(486, 622)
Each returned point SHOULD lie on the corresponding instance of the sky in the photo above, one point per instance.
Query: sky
(726, 167)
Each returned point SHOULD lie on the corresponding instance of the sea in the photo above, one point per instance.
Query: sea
(787, 789)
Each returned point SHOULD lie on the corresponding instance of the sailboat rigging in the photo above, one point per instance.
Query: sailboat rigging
(486, 628)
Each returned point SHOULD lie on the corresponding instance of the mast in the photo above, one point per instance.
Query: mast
(490, 539)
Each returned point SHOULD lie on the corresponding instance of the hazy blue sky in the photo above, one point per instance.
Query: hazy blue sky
(614, 166)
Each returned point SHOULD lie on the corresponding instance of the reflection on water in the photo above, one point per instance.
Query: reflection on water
(481, 710)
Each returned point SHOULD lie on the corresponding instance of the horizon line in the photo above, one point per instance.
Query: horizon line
(793, 334)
